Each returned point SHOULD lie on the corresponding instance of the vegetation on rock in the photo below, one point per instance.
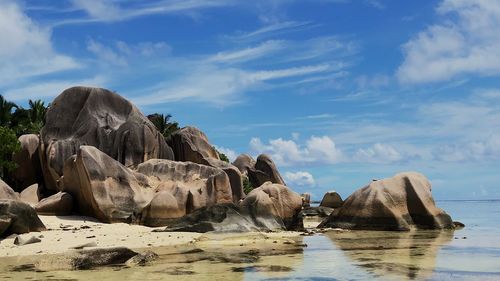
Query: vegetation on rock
(10, 145)
(163, 123)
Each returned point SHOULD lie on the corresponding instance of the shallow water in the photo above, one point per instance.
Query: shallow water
(472, 253)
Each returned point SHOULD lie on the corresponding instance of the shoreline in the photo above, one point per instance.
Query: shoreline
(69, 233)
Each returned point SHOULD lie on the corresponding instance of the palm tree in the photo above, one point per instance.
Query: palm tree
(163, 124)
(37, 111)
(6, 108)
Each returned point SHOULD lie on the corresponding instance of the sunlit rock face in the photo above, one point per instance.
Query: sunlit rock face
(191, 144)
(402, 202)
(99, 118)
(156, 191)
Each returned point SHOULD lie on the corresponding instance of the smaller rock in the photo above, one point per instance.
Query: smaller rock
(142, 259)
(306, 199)
(31, 195)
(6, 192)
(22, 240)
(458, 225)
(331, 199)
(59, 204)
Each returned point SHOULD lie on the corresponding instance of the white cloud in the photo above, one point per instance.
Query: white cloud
(221, 86)
(231, 154)
(25, 47)
(111, 11)
(316, 151)
(378, 153)
(261, 50)
(272, 29)
(465, 45)
(488, 149)
(50, 89)
(105, 53)
(300, 178)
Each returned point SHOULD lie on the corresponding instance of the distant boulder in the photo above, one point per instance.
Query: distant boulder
(275, 201)
(28, 169)
(306, 199)
(402, 202)
(331, 199)
(17, 217)
(99, 118)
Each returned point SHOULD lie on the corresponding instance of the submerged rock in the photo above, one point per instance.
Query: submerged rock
(331, 199)
(99, 118)
(398, 203)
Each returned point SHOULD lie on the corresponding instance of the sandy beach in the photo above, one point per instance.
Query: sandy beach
(67, 233)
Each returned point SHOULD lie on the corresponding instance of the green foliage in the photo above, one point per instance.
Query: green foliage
(163, 124)
(222, 156)
(6, 108)
(9, 145)
(22, 120)
(247, 185)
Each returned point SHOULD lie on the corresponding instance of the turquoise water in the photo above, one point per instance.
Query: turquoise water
(472, 253)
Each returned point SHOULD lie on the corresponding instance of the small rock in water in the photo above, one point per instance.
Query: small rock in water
(23, 240)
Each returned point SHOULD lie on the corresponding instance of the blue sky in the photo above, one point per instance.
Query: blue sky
(338, 92)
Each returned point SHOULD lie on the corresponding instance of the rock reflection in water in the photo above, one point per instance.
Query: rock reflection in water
(400, 255)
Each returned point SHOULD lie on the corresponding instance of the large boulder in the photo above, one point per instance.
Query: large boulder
(28, 169)
(235, 177)
(265, 170)
(402, 202)
(59, 204)
(275, 202)
(191, 144)
(17, 217)
(192, 186)
(157, 191)
(6, 192)
(104, 188)
(99, 118)
(331, 199)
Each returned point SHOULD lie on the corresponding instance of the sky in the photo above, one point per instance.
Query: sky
(337, 92)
